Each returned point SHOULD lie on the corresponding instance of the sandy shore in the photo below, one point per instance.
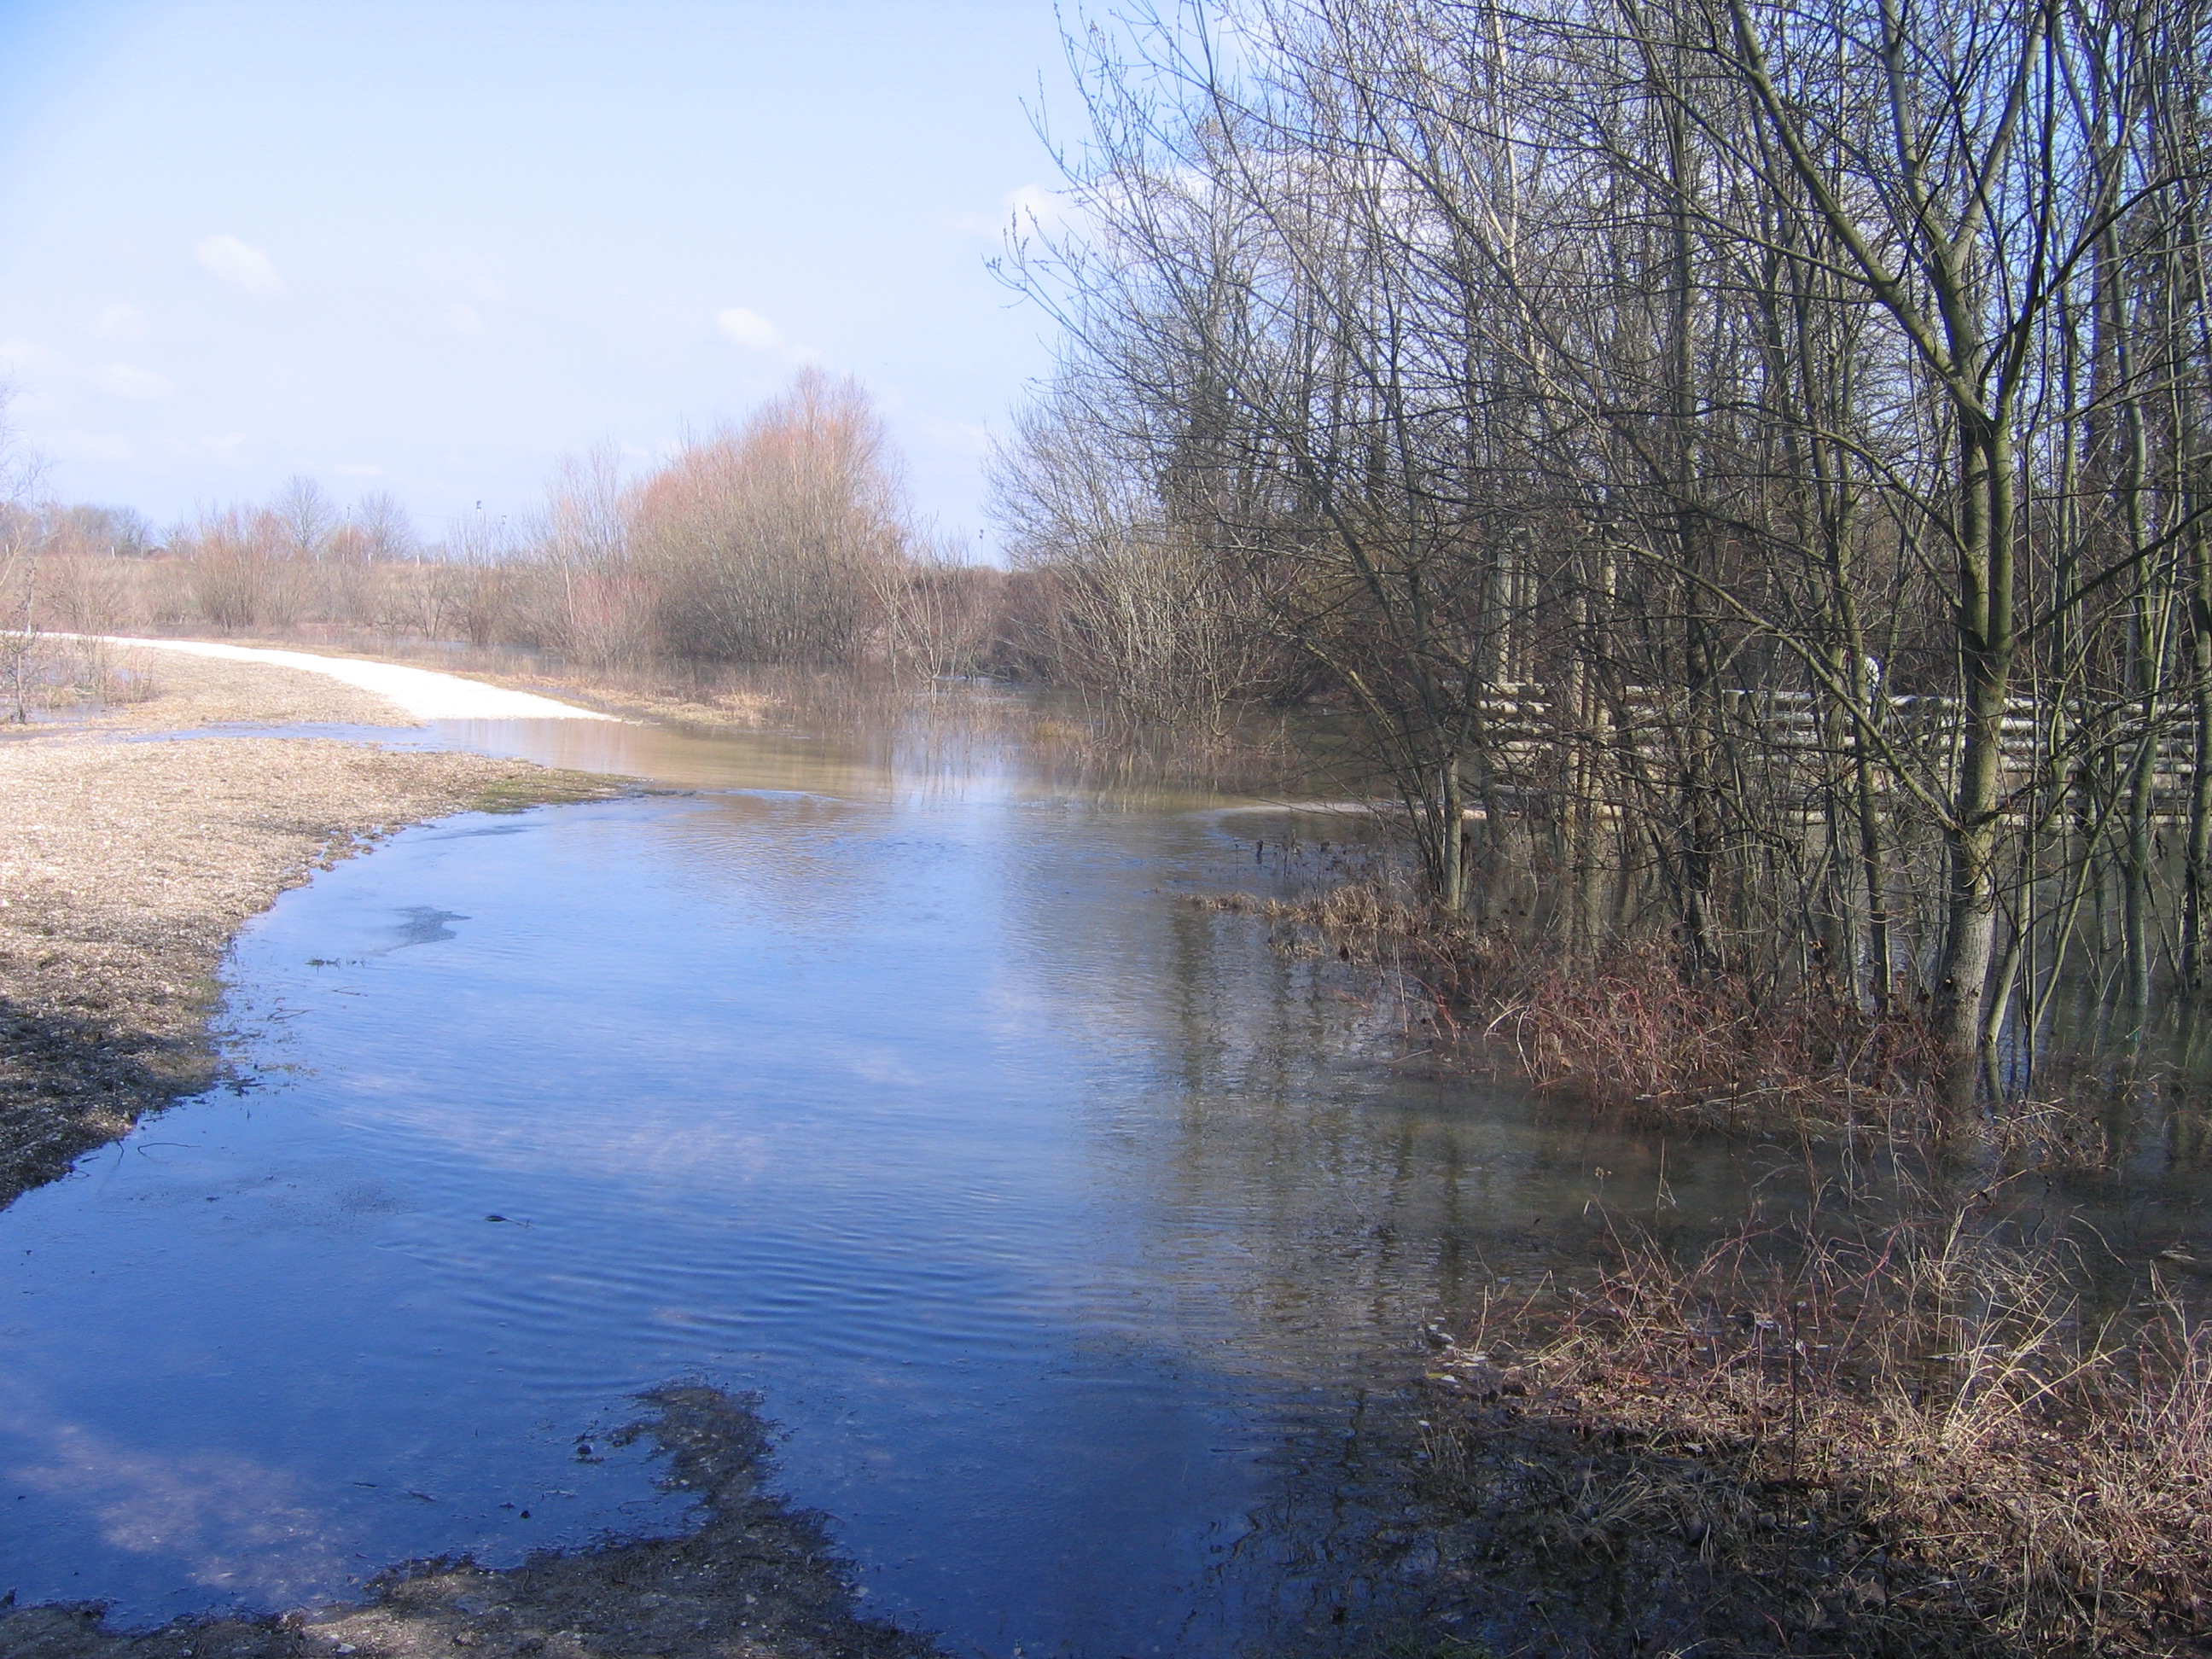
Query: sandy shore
(126, 866)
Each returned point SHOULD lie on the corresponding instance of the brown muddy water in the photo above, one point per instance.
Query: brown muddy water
(1064, 1229)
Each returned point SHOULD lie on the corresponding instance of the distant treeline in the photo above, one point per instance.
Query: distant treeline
(1741, 466)
(784, 539)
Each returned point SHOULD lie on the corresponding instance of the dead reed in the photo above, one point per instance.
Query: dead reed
(1926, 1440)
(1931, 1437)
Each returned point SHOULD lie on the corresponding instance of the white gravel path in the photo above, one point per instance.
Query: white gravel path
(423, 693)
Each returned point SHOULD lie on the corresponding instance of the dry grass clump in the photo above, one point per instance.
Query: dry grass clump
(1629, 1027)
(1814, 1438)
(1918, 1442)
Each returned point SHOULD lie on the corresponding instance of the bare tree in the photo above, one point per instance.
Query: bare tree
(1744, 455)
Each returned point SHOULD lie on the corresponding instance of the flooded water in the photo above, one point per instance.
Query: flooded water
(1061, 1225)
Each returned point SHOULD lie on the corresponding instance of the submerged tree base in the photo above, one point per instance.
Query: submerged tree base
(1632, 1028)
(1911, 1425)
(1626, 1027)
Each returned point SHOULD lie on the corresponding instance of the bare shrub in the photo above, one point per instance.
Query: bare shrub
(479, 582)
(940, 617)
(593, 601)
(243, 573)
(784, 539)
(87, 590)
(1124, 602)
(1921, 1441)
(772, 543)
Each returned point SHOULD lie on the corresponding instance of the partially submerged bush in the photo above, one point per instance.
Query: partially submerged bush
(1630, 1026)
(41, 673)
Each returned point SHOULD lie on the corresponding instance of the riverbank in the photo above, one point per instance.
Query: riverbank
(1607, 1481)
(129, 860)
(125, 866)
(1923, 1440)
(1626, 1030)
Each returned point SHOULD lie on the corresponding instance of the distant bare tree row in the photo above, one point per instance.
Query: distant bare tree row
(784, 539)
(1741, 463)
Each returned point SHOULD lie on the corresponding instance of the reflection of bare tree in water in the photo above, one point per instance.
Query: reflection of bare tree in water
(1310, 1106)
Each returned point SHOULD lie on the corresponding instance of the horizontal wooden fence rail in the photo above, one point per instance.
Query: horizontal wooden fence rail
(1797, 747)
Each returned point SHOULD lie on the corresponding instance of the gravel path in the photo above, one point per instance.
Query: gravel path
(423, 694)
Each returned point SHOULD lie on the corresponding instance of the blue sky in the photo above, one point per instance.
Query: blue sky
(426, 247)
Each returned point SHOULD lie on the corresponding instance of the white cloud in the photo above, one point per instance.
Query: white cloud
(749, 330)
(360, 469)
(24, 354)
(119, 323)
(224, 444)
(125, 381)
(239, 263)
(755, 333)
(462, 319)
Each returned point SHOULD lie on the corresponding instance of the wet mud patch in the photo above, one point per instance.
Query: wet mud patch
(1894, 1451)
(1492, 1519)
(755, 1578)
(73, 1077)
